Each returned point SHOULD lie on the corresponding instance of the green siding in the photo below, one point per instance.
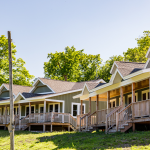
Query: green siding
(68, 98)
(4, 89)
(40, 84)
(42, 89)
(4, 94)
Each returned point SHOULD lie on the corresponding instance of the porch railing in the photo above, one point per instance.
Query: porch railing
(111, 117)
(123, 116)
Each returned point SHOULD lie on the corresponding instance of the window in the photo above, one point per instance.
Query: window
(41, 109)
(15, 111)
(144, 96)
(54, 108)
(27, 110)
(76, 109)
(130, 100)
(113, 103)
(148, 95)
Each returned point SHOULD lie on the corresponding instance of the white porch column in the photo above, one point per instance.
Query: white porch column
(19, 113)
(29, 112)
(44, 110)
(81, 107)
(97, 107)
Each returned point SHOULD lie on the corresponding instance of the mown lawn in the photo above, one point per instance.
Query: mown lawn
(76, 141)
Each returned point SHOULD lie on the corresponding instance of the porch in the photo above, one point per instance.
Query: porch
(133, 107)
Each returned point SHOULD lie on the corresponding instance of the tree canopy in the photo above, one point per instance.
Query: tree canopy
(21, 75)
(72, 65)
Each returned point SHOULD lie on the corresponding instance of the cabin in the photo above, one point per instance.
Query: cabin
(48, 105)
(127, 96)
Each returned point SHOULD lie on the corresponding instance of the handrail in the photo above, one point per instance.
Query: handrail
(125, 108)
(92, 114)
(85, 115)
(117, 108)
(72, 118)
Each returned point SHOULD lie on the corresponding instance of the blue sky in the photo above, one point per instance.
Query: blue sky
(39, 27)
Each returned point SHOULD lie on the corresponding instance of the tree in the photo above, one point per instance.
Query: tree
(21, 75)
(71, 65)
(104, 72)
(138, 53)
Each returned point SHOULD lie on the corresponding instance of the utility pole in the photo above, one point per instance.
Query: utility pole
(11, 126)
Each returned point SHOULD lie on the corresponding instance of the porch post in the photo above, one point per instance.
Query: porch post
(44, 110)
(97, 107)
(5, 114)
(133, 100)
(121, 95)
(149, 88)
(108, 99)
(81, 107)
(89, 110)
(19, 114)
(89, 105)
(29, 112)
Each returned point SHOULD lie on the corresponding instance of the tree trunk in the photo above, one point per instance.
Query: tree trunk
(65, 76)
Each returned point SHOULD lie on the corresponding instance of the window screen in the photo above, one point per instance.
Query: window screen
(50, 108)
(75, 110)
(56, 107)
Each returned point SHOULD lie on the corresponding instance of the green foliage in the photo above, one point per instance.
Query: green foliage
(21, 75)
(71, 65)
(138, 53)
(104, 72)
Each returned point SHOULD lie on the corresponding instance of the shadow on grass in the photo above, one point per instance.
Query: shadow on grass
(83, 141)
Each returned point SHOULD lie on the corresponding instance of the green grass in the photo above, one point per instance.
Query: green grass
(76, 141)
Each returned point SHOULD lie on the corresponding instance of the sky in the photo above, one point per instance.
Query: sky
(39, 27)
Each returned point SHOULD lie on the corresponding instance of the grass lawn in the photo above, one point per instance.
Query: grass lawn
(75, 140)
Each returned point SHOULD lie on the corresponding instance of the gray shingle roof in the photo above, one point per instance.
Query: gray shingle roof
(19, 88)
(127, 68)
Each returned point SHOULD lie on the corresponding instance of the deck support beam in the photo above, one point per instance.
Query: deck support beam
(69, 128)
(149, 89)
(133, 127)
(133, 98)
(97, 107)
(43, 127)
(29, 128)
(51, 127)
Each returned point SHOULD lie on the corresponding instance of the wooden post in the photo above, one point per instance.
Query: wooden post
(29, 112)
(29, 128)
(117, 121)
(121, 95)
(81, 107)
(80, 125)
(44, 110)
(133, 98)
(97, 107)
(51, 127)
(5, 114)
(11, 131)
(149, 88)
(108, 99)
(69, 128)
(86, 122)
(133, 126)
(89, 110)
(106, 128)
(19, 113)
(43, 127)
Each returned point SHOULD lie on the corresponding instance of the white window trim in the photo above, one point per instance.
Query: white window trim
(28, 106)
(113, 100)
(54, 107)
(40, 105)
(16, 109)
(78, 108)
(130, 95)
(145, 91)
